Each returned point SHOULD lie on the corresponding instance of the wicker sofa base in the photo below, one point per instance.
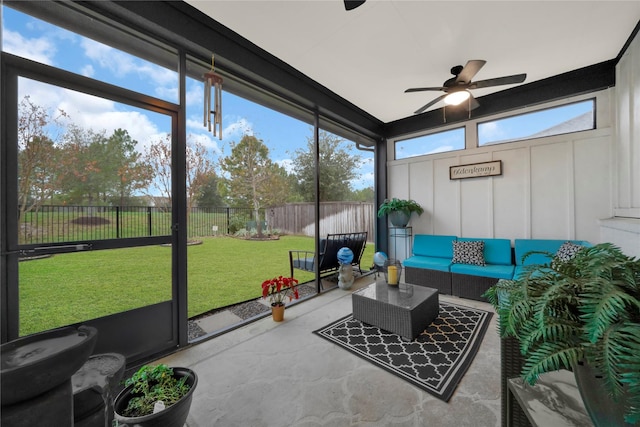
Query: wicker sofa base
(440, 280)
(471, 287)
(460, 285)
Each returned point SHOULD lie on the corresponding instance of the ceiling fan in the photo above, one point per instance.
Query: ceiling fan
(457, 88)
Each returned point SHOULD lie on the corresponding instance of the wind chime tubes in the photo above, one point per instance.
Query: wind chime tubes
(212, 79)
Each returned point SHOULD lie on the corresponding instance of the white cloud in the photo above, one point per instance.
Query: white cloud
(490, 131)
(195, 94)
(87, 70)
(121, 64)
(37, 49)
(168, 93)
(237, 129)
(196, 125)
(206, 140)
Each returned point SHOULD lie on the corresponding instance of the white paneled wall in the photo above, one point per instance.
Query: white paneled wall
(557, 187)
(512, 193)
(623, 229)
(627, 92)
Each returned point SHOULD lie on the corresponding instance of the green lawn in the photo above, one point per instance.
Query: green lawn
(70, 288)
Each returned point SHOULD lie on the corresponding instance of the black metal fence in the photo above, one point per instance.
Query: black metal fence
(57, 224)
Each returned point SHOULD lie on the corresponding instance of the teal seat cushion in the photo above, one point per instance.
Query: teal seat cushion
(496, 251)
(430, 263)
(521, 270)
(518, 271)
(494, 271)
(431, 245)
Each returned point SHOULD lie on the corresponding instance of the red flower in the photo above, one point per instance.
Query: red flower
(279, 288)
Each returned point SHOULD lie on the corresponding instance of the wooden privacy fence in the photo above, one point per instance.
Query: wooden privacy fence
(335, 217)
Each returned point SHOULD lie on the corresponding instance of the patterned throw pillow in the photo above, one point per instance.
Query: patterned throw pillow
(471, 252)
(567, 251)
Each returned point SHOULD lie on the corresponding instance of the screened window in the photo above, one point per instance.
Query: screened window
(440, 142)
(568, 118)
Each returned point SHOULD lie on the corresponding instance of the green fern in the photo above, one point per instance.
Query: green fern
(583, 309)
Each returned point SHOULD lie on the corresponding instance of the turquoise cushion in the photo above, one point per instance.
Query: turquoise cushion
(521, 270)
(495, 271)
(518, 271)
(496, 251)
(523, 246)
(430, 263)
(431, 245)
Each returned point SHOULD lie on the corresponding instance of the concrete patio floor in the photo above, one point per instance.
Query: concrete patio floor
(281, 374)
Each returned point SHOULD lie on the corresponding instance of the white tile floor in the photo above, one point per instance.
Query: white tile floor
(281, 374)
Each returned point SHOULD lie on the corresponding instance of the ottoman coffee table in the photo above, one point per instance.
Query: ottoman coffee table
(404, 309)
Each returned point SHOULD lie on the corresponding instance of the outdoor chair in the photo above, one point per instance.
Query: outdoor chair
(328, 257)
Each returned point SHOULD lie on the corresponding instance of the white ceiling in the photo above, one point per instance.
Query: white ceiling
(371, 54)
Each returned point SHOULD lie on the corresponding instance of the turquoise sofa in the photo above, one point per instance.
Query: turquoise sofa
(431, 263)
(523, 246)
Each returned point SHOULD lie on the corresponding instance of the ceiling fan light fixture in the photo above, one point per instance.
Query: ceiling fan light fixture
(457, 97)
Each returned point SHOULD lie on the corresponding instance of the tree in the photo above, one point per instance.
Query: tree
(363, 195)
(337, 169)
(199, 168)
(158, 156)
(88, 176)
(133, 174)
(38, 160)
(199, 171)
(252, 176)
(208, 194)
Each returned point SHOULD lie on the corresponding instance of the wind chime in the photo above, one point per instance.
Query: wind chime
(213, 117)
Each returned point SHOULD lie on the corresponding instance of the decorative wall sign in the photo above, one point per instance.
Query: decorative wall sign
(475, 170)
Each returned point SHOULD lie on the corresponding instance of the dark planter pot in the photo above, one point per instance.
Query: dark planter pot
(399, 218)
(603, 410)
(173, 416)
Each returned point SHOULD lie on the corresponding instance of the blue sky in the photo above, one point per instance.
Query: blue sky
(37, 40)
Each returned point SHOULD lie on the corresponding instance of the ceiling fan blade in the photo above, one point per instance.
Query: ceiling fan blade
(470, 104)
(438, 99)
(470, 69)
(421, 89)
(507, 80)
(352, 4)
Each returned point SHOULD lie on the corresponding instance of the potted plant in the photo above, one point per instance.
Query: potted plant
(399, 210)
(156, 395)
(278, 290)
(581, 314)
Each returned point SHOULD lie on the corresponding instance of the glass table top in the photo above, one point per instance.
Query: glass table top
(403, 295)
